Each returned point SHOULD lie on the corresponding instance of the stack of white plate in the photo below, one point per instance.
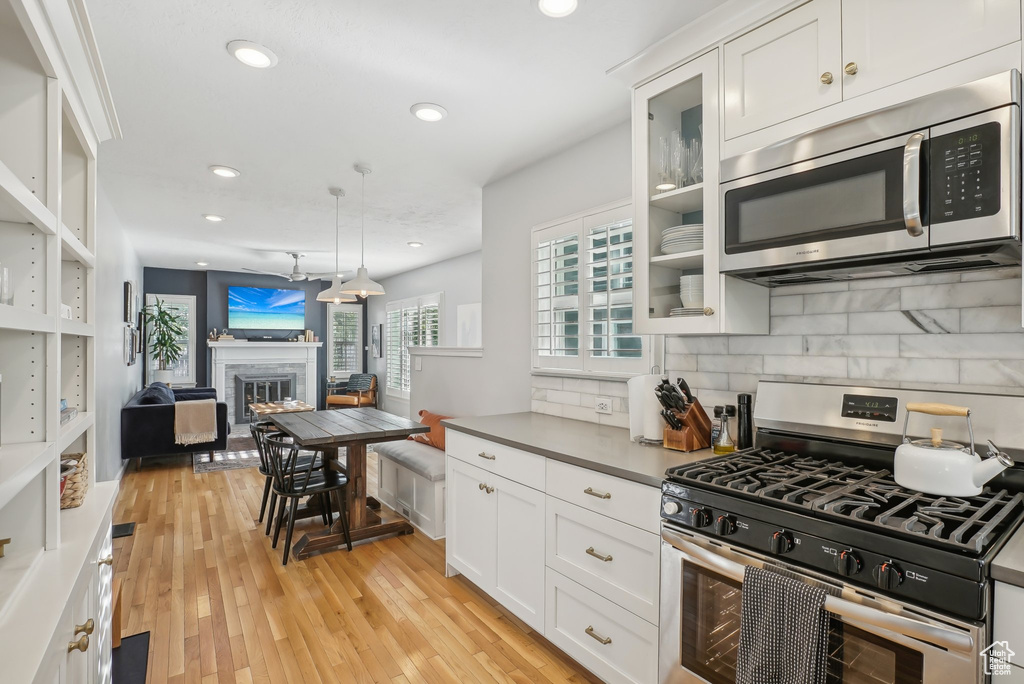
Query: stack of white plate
(685, 238)
(691, 291)
(682, 312)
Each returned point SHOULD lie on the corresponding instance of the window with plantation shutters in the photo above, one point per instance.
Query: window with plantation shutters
(344, 339)
(582, 278)
(410, 323)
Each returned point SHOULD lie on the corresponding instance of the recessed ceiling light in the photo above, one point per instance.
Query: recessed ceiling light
(213, 217)
(557, 9)
(225, 171)
(428, 111)
(252, 54)
(415, 244)
(202, 263)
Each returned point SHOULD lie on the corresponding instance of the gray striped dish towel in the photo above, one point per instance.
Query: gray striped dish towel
(783, 631)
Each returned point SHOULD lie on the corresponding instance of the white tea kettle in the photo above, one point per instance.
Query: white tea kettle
(936, 466)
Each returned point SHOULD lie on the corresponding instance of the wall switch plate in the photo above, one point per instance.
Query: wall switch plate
(603, 404)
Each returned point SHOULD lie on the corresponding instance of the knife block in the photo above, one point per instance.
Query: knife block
(696, 431)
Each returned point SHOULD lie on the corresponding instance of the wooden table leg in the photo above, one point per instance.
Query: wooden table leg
(363, 521)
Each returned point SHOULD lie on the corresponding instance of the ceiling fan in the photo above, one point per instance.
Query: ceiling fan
(297, 275)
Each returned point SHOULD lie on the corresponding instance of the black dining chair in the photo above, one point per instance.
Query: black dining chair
(260, 431)
(293, 481)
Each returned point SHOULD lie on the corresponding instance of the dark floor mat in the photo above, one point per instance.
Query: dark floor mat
(130, 661)
(122, 530)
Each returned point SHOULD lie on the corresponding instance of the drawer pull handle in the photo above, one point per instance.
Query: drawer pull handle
(600, 495)
(109, 560)
(484, 454)
(595, 554)
(604, 640)
(80, 645)
(88, 627)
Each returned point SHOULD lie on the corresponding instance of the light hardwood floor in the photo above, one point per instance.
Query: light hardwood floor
(200, 575)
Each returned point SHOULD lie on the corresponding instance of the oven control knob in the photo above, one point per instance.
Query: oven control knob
(701, 517)
(725, 525)
(781, 542)
(888, 576)
(847, 563)
(670, 508)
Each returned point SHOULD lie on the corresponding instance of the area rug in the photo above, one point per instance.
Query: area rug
(130, 661)
(224, 460)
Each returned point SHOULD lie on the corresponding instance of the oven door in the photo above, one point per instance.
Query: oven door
(869, 200)
(872, 639)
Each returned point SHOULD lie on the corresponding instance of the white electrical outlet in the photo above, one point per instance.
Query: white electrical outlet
(603, 404)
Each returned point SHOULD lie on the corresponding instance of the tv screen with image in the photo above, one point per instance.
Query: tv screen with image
(264, 308)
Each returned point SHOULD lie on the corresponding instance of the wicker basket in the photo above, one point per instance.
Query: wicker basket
(77, 483)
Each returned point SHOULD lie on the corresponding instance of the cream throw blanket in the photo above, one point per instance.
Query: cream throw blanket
(195, 422)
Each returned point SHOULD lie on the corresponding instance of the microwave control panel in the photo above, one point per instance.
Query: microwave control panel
(965, 174)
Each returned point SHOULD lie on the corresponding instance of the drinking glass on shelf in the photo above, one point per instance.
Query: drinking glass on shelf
(6, 289)
(677, 159)
(695, 166)
(666, 178)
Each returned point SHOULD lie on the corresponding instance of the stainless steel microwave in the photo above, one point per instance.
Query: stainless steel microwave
(930, 185)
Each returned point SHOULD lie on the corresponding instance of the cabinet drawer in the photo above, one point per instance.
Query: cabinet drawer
(630, 502)
(608, 640)
(618, 561)
(1009, 606)
(514, 464)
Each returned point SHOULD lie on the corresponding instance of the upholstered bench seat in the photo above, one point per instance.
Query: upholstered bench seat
(411, 482)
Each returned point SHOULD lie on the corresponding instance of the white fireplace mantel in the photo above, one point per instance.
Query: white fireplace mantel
(227, 353)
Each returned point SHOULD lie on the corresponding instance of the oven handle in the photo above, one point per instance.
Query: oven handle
(912, 185)
(946, 638)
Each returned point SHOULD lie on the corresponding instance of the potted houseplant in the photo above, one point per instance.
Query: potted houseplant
(164, 329)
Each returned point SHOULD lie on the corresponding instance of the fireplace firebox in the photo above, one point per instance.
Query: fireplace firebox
(260, 389)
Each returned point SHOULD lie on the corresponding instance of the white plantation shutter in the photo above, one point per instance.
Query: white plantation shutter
(345, 339)
(582, 274)
(410, 323)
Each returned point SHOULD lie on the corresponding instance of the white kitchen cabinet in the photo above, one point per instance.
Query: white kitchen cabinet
(495, 538)
(885, 42)
(519, 552)
(787, 67)
(683, 103)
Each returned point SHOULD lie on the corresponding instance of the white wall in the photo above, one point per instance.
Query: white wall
(459, 280)
(595, 172)
(116, 262)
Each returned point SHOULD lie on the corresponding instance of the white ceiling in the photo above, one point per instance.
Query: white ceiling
(518, 87)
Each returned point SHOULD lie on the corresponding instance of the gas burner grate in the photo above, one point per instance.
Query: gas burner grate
(859, 495)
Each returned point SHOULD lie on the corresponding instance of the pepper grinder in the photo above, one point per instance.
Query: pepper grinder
(744, 423)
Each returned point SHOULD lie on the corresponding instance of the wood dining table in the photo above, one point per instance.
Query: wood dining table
(351, 430)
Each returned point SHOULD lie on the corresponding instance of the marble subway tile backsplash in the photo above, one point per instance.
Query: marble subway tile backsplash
(942, 331)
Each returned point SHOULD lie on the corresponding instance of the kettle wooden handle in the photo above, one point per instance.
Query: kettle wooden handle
(939, 409)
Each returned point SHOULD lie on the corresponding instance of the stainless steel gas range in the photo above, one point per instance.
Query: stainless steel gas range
(908, 573)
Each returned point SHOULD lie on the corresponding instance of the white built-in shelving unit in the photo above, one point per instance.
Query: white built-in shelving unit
(48, 230)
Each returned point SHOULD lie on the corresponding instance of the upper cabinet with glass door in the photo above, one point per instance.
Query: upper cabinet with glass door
(676, 211)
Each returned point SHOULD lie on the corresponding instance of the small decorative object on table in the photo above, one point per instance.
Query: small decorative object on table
(77, 483)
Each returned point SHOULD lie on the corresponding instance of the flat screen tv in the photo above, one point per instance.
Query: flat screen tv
(264, 308)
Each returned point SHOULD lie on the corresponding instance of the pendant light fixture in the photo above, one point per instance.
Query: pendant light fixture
(362, 285)
(333, 294)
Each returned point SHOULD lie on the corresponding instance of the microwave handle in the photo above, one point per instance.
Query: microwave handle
(912, 185)
(946, 638)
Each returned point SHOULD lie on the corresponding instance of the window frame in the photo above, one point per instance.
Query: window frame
(585, 363)
(360, 339)
(405, 362)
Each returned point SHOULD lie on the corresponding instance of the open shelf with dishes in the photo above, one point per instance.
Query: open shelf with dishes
(676, 140)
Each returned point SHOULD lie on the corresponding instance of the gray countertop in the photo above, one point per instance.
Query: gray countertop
(1008, 565)
(588, 445)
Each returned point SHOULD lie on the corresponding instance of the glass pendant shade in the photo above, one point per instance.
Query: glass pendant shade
(362, 285)
(334, 295)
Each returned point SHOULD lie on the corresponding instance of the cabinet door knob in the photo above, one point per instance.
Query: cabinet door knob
(595, 554)
(826, 78)
(109, 560)
(708, 311)
(490, 490)
(604, 640)
(481, 486)
(600, 495)
(850, 68)
(88, 627)
(80, 645)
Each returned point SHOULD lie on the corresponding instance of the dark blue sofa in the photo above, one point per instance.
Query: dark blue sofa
(147, 423)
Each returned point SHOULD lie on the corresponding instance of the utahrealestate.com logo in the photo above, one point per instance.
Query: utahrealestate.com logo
(998, 658)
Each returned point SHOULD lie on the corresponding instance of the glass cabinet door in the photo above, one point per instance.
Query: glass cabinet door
(183, 370)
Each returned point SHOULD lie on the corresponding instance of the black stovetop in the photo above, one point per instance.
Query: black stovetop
(859, 496)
